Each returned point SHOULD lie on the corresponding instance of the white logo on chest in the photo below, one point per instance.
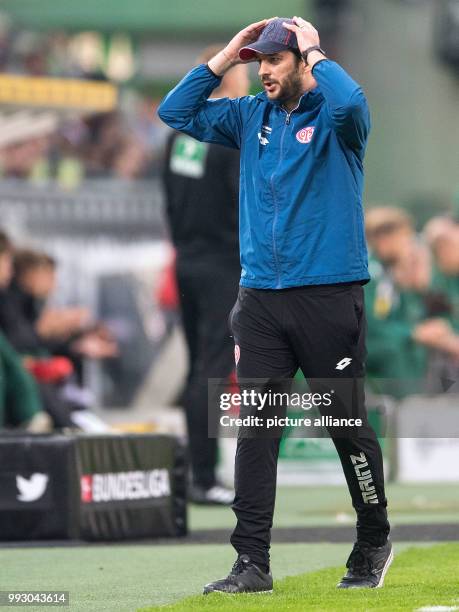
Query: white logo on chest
(305, 134)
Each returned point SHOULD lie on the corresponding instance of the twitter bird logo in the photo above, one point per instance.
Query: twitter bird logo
(31, 489)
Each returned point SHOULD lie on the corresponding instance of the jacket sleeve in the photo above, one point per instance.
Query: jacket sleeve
(186, 108)
(346, 104)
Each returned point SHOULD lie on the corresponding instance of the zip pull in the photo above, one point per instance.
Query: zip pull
(287, 121)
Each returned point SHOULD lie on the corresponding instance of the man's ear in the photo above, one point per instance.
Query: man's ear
(306, 67)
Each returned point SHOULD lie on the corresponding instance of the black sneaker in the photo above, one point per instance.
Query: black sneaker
(214, 496)
(245, 577)
(367, 566)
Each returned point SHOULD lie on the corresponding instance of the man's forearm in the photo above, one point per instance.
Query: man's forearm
(314, 57)
(220, 63)
(187, 108)
(181, 104)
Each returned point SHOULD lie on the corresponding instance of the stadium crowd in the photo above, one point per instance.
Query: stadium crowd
(123, 144)
(412, 302)
(106, 145)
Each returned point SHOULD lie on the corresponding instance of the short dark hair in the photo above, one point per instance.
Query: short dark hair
(296, 53)
(6, 245)
(27, 259)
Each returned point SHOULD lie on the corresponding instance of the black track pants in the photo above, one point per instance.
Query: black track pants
(315, 328)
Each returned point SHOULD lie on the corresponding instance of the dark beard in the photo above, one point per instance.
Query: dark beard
(292, 89)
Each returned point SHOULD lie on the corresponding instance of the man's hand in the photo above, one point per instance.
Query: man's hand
(307, 36)
(93, 346)
(436, 334)
(62, 322)
(229, 56)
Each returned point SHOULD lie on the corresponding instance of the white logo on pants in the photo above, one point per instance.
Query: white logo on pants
(343, 363)
(365, 479)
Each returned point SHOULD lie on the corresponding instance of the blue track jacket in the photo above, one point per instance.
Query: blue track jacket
(301, 217)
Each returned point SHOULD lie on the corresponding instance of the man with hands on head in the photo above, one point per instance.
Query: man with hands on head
(303, 260)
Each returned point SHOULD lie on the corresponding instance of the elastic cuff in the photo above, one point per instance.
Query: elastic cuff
(319, 62)
(372, 540)
(217, 76)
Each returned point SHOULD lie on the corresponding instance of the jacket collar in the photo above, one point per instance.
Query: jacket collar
(308, 100)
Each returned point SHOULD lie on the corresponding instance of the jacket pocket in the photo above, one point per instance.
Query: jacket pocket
(358, 305)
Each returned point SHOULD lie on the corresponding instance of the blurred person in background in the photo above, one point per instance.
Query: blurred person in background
(407, 318)
(68, 329)
(201, 184)
(26, 159)
(105, 134)
(131, 160)
(442, 235)
(53, 341)
(150, 131)
(20, 403)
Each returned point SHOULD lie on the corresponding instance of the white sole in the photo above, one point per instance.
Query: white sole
(390, 558)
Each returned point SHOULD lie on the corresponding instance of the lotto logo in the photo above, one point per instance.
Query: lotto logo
(305, 135)
(343, 363)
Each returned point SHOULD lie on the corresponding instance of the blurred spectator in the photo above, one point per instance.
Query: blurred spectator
(27, 159)
(406, 314)
(148, 128)
(20, 404)
(65, 330)
(131, 161)
(23, 301)
(105, 133)
(51, 340)
(442, 235)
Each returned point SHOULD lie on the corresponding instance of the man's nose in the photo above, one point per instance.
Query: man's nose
(263, 70)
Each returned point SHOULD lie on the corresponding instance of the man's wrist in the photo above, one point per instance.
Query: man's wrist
(220, 63)
(313, 57)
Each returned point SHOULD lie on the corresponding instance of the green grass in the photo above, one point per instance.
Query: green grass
(119, 578)
(123, 578)
(419, 577)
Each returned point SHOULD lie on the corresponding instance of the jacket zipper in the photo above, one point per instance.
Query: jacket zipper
(276, 208)
(287, 119)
